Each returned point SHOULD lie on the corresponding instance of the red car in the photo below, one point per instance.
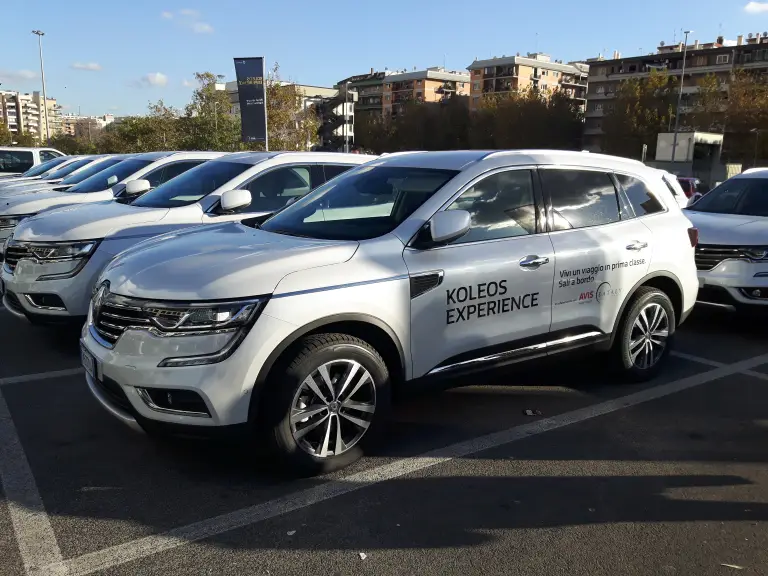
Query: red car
(690, 186)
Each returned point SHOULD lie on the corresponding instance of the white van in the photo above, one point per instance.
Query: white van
(15, 160)
(38, 171)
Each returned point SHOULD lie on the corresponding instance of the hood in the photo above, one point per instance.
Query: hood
(34, 203)
(84, 222)
(218, 262)
(4, 182)
(28, 188)
(729, 229)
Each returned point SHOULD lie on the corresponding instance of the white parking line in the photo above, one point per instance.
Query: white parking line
(122, 553)
(34, 533)
(716, 364)
(40, 376)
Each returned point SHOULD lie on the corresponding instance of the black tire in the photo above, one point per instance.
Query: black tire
(622, 355)
(283, 386)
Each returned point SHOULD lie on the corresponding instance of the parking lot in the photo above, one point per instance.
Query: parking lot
(603, 478)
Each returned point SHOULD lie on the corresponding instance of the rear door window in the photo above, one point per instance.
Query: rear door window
(640, 197)
(580, 198)
(12, 161)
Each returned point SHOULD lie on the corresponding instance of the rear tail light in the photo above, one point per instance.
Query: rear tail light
(693, 236)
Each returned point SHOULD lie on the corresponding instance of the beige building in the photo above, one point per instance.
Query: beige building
(434, 84)
(514, 73)
(23, 113)
(720, 58)
(84, 126)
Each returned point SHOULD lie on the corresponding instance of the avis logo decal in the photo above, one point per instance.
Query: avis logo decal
(584, 296)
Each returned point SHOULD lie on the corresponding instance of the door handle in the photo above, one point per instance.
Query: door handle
(637, 246)
(533, 262)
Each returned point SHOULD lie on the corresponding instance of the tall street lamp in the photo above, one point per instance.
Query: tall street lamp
(680, 95)
(756, 132)
(40, 34)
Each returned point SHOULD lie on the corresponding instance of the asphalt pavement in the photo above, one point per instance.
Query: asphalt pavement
(668, 477)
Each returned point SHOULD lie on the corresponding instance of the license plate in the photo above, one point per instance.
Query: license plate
(89, 362)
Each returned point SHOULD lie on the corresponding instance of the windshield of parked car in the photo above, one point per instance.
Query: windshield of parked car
(364, 203)
(192, 186)
(65, 171)
(89, 171)
(100, 180)
(44, 167)
(745, 196)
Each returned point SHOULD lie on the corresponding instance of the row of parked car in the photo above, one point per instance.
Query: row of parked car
(284, 295)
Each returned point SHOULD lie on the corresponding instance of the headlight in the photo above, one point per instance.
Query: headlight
(12, 221)
(54, 252)
(197, 318)
(756, 253)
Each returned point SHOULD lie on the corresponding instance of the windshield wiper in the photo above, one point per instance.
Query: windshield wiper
(287, 233)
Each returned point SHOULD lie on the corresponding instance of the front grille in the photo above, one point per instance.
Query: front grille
(708, 256)
(13, 254)
(112, 319)
(114, 392)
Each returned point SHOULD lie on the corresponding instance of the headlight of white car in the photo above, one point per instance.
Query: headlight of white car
(55, 252)
(756, 253)
(12, 221)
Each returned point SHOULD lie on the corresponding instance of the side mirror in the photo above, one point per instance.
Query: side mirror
(136, 187)
(234, 199)
(111, 181)
(447, 226)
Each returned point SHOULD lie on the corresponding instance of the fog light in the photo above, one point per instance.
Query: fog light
(756, 293)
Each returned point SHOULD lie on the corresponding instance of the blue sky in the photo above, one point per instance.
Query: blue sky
(115, 57)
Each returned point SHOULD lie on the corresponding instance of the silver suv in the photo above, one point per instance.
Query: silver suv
(416, 265)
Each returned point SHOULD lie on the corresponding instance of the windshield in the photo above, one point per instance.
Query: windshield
(95, 168)
(44, 167)
(745, 196)
(364, 203)
(192, 186)
(68, 169)
(100, 180)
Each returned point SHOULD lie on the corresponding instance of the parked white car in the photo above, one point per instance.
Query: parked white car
(54, 258)
(415, 265)
(15, 159)
(151, 168)
(37, 172)
(52, 180)
(732, 256)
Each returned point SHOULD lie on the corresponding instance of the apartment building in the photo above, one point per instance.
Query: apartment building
(514, 73)
(720, 58)
(370, 90)
(84, 126)
(435, 84)
(23, 113)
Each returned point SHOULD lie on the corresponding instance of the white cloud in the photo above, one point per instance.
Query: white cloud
(8, 76)
(756, 7)
(188, 83)
(151, 80)
(89, 66)
(190, 19)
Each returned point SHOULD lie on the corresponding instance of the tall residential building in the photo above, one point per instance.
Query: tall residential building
(434, 84)
(84, 126)
(514, 73)
(720, 58)
(23, 113)
(370, 90)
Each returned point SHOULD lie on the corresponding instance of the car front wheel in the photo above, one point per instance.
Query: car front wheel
(328, 404)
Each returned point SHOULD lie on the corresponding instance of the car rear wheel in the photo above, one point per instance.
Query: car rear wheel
(645, 334)
(328, 404)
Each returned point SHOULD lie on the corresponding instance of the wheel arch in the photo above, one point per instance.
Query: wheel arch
(369, 328)
(664, 281)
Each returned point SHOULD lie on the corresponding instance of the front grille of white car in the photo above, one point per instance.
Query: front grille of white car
(112, 319)
(708, 256)
(13, 254)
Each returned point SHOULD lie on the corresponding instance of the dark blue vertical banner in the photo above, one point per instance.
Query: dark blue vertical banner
(251, 91)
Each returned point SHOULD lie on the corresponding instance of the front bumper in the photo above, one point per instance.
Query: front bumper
(72, 295)
(731, 283)
(226, 388)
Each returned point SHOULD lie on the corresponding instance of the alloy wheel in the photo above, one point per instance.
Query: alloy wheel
(648, 337)
(333, 408)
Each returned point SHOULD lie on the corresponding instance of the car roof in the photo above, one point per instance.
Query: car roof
(756, 173)
(153, 155)
(254, 158)
(197, 154)
(30, 149)
(461, 159)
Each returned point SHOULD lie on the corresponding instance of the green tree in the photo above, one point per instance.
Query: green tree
(27, 140)
(746, 119)
(709, 109)
(207, 123)
(6, 137)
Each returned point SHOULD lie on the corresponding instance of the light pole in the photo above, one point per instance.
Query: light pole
(40, 34)
(680, 95)
(757, 140)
